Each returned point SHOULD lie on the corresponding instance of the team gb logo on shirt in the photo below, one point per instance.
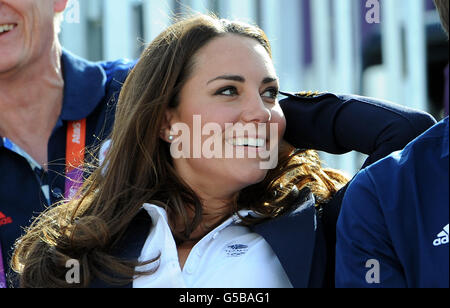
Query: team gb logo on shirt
(236, 250)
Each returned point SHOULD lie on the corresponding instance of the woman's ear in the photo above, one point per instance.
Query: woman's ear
(165, 131)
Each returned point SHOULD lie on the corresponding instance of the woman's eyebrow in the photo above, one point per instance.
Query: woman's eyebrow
(228, 77)
(269, 80)
(241, 79)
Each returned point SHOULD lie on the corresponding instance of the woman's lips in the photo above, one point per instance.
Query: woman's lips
(6, 28)
(247, 142)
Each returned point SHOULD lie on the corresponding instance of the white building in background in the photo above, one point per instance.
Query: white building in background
(316, 43)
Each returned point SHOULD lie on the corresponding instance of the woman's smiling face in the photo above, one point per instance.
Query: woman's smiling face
(233, 84)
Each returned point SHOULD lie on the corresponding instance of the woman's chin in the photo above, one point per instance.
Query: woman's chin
(248, 177)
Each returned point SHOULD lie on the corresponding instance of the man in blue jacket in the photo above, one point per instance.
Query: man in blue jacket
(53, 105)
(394, 223)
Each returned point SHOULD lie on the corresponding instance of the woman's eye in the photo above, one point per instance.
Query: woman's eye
(271, 93)
(228, 91)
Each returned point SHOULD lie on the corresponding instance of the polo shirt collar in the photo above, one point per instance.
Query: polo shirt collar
(84, 87)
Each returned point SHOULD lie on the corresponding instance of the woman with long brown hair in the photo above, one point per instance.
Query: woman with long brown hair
(150, 218)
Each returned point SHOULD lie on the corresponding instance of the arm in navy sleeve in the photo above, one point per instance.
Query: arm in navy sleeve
(365, 257)
(344, 123)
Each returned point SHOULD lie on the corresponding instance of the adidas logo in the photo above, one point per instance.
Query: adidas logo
(5, 220)
(442, 238)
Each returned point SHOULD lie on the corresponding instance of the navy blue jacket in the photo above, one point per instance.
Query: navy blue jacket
(304, 240)
(90, 91)
(393, 229)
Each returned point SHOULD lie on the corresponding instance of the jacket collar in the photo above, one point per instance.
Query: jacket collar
(84, 86)
(300, 224)
(296, 258)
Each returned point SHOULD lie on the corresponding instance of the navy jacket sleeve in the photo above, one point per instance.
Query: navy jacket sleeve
(339, 124)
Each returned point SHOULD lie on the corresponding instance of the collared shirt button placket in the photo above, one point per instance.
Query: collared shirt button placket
(190, 269)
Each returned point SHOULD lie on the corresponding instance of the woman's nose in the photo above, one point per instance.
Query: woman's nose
(254, 110)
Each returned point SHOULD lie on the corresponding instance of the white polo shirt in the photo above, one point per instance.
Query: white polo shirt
(230, 256)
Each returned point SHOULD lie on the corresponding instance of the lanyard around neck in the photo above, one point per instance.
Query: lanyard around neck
(75, 151)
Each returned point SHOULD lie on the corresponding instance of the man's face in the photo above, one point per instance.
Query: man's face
(26, 31)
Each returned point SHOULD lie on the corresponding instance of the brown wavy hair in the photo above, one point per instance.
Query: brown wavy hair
(138, 169)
